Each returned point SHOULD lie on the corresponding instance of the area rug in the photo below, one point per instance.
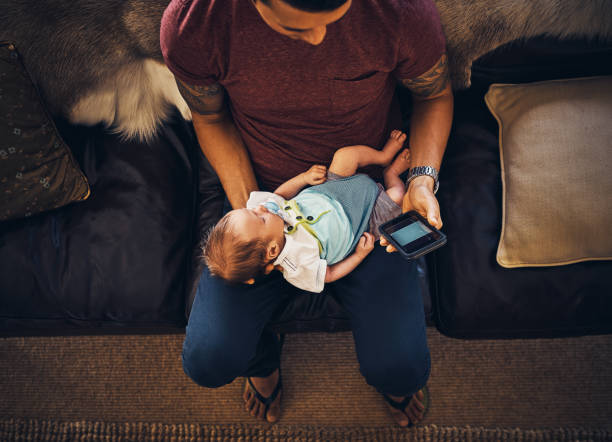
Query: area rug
(125, 388)
(18, 430)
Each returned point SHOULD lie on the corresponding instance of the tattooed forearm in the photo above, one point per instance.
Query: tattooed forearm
(432, 82)
(202, 99)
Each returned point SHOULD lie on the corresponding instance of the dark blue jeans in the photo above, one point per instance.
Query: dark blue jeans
(226, 335)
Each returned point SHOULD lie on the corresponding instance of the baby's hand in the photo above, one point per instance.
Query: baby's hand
(365, 244)
(317, 174)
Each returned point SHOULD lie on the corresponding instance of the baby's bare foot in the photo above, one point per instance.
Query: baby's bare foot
(400, 164)
(393, 145)
(394, 185)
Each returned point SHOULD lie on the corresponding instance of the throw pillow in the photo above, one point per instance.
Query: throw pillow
(37, 169)
(555, 141)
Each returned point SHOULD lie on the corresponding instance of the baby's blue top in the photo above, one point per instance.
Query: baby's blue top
(335, 213)
(332, 228)
(343, 208)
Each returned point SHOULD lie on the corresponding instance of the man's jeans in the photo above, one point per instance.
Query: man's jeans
(226, 336)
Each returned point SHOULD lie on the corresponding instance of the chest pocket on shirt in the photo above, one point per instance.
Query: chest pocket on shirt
(350, 94)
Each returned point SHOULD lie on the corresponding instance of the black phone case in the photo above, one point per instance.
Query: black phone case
(429, 248)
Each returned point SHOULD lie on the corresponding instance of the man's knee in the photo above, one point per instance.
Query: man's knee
(211, 366)
(398, 374)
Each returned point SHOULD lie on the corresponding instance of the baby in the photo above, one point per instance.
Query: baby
(316, 235)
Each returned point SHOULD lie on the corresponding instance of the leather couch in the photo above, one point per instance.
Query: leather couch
(126, 260)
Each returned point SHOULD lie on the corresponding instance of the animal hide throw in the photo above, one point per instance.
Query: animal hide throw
(99, 61)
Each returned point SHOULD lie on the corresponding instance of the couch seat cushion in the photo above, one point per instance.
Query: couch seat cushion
(118, 262)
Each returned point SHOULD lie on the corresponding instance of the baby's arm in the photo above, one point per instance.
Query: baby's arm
(315, 175)
(348, 264)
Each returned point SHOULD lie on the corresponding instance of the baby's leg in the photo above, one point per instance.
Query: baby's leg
(393, 183)
(348, 159)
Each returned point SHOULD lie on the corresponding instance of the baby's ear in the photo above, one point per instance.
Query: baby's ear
(250, 281)
(273, 250)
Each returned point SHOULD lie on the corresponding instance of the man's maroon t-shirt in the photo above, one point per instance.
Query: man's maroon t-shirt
(294, 104)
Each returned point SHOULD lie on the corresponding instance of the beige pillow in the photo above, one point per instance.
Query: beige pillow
(555, 142)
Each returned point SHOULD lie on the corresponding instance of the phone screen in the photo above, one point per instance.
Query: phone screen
(410, 233)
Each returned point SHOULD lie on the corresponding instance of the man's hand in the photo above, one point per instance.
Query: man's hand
(269, 267)
(365, 245)
(419, 197)
(317, 174)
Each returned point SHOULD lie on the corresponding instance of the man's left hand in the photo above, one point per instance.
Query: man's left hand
(419, 197)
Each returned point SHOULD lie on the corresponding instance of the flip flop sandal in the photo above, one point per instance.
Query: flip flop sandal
(267, 401)
(404, 403)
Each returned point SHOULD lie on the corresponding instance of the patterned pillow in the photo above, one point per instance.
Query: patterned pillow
(37, 169)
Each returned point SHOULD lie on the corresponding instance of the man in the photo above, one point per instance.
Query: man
(276, 86)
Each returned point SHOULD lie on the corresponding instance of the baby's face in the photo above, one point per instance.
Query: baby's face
(257, 223)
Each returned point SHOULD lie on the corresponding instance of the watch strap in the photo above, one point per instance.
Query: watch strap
(424, 170)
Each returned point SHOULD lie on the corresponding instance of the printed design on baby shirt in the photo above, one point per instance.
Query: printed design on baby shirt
(304, 221)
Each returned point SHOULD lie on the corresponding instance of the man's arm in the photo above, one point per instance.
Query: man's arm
(430, 126)
(220, 141)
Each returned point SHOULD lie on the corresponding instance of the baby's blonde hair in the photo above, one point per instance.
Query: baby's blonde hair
(230, 257)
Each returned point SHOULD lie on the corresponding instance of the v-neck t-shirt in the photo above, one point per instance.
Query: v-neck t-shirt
(295, 104)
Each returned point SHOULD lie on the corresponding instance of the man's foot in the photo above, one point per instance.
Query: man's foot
(394, 185)
(392, 146)
(262, 397)
(407, 411)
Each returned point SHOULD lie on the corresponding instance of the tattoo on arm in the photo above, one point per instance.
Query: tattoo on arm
(432, 82)
(204, 100)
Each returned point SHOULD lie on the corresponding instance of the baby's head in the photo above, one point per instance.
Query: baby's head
(240, 246)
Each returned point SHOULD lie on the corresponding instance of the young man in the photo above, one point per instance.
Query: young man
(275, 86)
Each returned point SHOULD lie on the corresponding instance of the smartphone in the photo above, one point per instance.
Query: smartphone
(412, 235)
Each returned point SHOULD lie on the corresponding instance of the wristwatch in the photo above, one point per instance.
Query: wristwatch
(424, 170)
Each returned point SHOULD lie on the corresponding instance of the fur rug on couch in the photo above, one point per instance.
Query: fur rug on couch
(98, 61)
